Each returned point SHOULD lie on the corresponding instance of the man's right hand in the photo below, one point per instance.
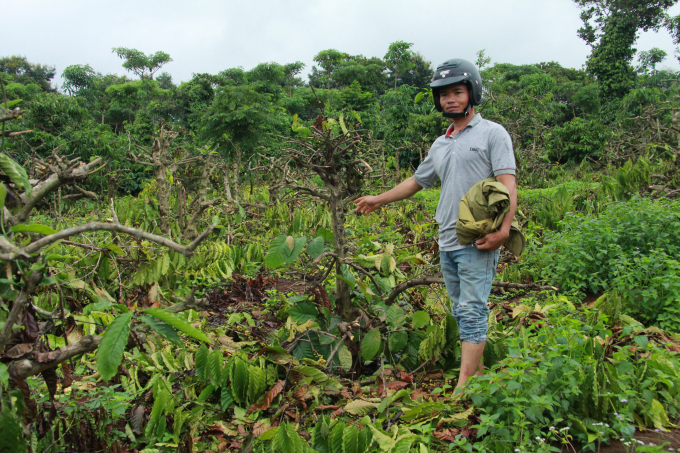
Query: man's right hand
(367, 204)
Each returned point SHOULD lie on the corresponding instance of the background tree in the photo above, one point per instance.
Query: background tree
(482, 60)
(140, 64)
(399, 58)
(649, 59)
(237, 121)
(611, 28)
(25, 72)
(420, 74)
(329, 60)
(291, 71)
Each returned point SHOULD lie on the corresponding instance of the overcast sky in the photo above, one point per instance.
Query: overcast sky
(212, 35)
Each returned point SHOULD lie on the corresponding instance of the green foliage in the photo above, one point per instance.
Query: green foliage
(178, 323)
(284, 250)
(370, 344)
(112, 346)
(595, 245)
(142, 65)
(576, 140)
(649, 284)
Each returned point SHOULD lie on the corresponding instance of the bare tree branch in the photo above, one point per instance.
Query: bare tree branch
(8, 252)
(30, 367)
(19, 305)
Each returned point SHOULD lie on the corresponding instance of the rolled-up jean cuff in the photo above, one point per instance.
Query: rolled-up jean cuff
(474, 340)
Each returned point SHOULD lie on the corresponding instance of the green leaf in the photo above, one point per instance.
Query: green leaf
(385, 442)
(315, 248)
(350, 440)
(207, 391)
(57, 257)
(342, 124)
(326, 234)
(303, 312)
(395, 315)
(177, 323)
(419, 97)
(35, 228)
(283, 249)
(99, 306)
(370, 345)
(226, 399)
(3, 195)
(201, 361)
(398, 341)
(451, 328)
(239, 380)
(4, 374)
(257, 381)
(162, 328)
(286, 440)
(351, 283)
(15, 172)
(112, 345)
(642, 341)
(214, 367)
(304, 131)
(345, 357)
(115, 249)
(420, 319)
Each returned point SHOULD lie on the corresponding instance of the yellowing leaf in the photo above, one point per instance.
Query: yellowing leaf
(518, 310)
(290, 242)
(360, 407)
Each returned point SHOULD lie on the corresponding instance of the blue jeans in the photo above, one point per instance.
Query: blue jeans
(468, 274)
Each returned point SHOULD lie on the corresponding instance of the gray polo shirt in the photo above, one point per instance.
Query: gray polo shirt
(481, 150)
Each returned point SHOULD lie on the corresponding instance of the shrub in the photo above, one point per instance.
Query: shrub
(585, 254)
(577, 139)
(650, 288)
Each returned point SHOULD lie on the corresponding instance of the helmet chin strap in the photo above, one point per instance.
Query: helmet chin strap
(464, 114)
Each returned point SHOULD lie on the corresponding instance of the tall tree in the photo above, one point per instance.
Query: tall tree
(649, 59)
(611, 28)
(420, 74)
(25, 72)
(399, 58)
(291, 71)
(329, 60)
(143, 65)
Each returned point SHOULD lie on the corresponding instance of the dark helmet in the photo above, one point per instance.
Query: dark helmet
(457, 70)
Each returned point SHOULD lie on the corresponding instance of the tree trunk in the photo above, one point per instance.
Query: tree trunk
(343, 301)
(225, 177)
(237, 167)
(161, 170)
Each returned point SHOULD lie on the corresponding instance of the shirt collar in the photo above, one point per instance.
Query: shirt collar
(473, 122)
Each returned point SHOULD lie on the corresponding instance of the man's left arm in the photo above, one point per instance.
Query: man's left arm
(493, 241)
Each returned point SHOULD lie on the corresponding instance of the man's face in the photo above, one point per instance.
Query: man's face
(454, 98)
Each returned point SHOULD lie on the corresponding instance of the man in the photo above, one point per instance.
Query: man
(471, 150)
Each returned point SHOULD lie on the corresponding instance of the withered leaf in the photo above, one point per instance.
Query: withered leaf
(19, 350)
(138, 419)
(50, 376)
(338, 412)
(268, 397)
(68, 375)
